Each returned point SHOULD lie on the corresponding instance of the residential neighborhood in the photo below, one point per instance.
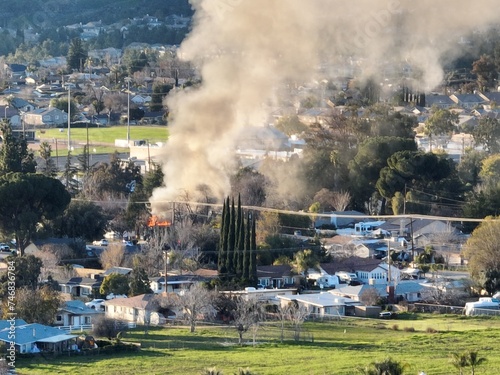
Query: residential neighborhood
(249, 188)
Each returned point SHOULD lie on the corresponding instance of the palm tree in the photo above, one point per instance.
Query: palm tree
(473, 360)
(386, 367)
(211, 371)
(459, 361)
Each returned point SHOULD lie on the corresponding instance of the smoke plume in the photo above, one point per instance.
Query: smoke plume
(245, 50)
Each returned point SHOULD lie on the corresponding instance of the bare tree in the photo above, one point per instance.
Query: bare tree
(248, 315)
(297, 314)
(370, 297)
(196, 303)
(340, 200)
(113, 256)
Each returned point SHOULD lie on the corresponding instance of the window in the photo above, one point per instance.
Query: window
(87, 320)
(59, 318)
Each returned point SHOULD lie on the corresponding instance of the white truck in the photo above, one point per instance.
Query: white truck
(347, 277)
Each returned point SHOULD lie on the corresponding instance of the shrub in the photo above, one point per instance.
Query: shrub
(409, 329)
(395, 327)
(431, 330)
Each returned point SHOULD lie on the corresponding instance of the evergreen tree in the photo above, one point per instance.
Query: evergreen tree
(231, 241)
(223, 240)
(139, 282)
(240, 238)
(49, 168)
(14, 153)
(76, 54)
(246, 252)
(252, 269)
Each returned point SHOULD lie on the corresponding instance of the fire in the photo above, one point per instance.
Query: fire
(155, 221)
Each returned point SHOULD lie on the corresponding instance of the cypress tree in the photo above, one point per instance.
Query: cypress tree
(253, 255)
(246, 252)
(240, 239)
(221, 262)
(231, 240)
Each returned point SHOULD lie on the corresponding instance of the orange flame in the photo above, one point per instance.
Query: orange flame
(155, 221)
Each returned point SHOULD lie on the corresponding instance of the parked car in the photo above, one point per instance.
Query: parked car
(96, 304)
(4, 247)
(387, 315)
(101, 242)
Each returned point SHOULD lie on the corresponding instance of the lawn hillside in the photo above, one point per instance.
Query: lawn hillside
(421, 342)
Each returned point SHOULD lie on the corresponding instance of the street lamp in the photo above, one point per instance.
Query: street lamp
(69, 117)
(128, 109)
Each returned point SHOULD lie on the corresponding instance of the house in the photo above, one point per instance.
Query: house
(410, 291)
(369, 270)
(75, 313)
(81, 286)
(324, 304)
(439, 101)
(22, 105)
(141, 99)
(35, 337)
(141, 309)
(467, 101)
(338, 219)
(175, 283)
(277, 276)
(48, 117)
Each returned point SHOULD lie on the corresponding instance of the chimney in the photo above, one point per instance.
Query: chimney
(390, 294)
(34, 332)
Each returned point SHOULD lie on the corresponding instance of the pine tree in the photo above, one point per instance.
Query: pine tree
(139, 283)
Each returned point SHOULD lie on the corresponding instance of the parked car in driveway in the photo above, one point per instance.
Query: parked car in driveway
(101, 242)
(4, 247)
(97, 304)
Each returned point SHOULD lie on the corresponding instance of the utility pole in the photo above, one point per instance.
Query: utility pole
(128, 109)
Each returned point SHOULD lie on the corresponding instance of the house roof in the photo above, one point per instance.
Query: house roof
(119, 270)
(35, 332)
(274, 272)
(350, 264)
(78, 308)
(7, 323)
(142, 301)
(323, 299)
(82, 281)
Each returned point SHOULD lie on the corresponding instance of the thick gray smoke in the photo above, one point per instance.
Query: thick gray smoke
(246, 49)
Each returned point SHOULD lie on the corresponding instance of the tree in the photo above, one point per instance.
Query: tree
(304, 260)
(370, 297)
(459, 361)
(486, 72)
(248, 314)
(290, 125)
(473, 360)
(487, 133)
(37, 305)
(26, 200)
(48, 168)
(160, 91)
(14, 153)
(105, 327)
(28, 269)
(113, 256)
(115, 283)
(386, 367)
(76, 54)
(483, 252)
(441, 121)
(297, 314)
(196, 303)
(139, 281)
(81, 219)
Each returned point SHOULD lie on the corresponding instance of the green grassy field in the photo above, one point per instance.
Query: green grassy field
(337, 347)
(108, 134)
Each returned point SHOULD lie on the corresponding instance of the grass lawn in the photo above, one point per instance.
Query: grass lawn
(107, 134)
(337, 347)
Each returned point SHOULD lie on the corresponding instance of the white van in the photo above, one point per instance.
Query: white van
(347, 277)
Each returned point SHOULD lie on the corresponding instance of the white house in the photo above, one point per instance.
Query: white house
(323, 304)
(141, 309)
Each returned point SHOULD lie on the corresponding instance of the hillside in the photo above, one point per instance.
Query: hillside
(41, 14)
